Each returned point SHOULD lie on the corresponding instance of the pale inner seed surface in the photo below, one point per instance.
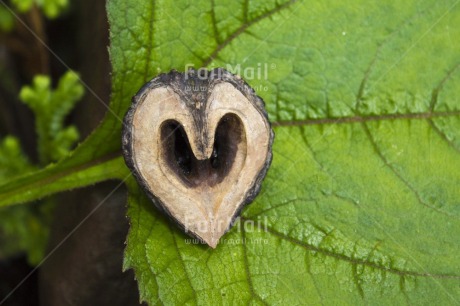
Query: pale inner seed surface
(203, 209)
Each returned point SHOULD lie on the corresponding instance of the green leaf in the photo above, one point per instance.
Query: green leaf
(22, 228)
(25, 228)
(97, 159)
(72, 173)
(23, 5)
(360, 206)
(51, 8)
(6, 20)
(12, 160)
(50, 109)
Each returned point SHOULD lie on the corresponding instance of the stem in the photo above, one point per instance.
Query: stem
(38, 27)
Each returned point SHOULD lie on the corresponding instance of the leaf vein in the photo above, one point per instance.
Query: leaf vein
(246, 268)
(360, 119)
(442, 135)
(242, 29)
(150, 40)
(214, 22)
(397, 174)
(312, 248)
(187, 276)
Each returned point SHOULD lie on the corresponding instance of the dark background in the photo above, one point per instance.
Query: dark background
(87, 268)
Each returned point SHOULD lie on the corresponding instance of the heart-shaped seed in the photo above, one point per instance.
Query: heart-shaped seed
(199, 143)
